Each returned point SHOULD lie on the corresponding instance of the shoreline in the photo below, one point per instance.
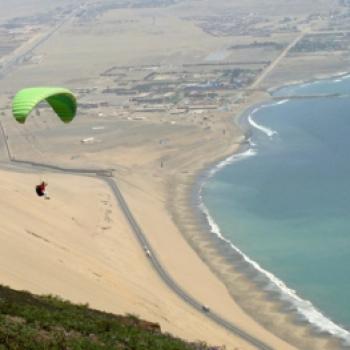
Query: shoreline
(239, 282)
(321, 77)
(145, 194)
(303, 309)
(149, 198)
(81, 246)
(244, 267)
(92, 265)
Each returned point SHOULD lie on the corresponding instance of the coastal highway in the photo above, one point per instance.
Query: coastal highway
(106, 175)
(8, 161)
(168, 280)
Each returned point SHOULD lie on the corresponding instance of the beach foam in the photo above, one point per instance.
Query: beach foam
(234, 158)
(339, 80)
(282, 102)
(341, 77)
(264, 129)
(305, 310)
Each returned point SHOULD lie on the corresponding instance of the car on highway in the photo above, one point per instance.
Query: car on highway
(147, 251)
(205, 308)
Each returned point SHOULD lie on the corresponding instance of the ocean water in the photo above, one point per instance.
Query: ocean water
(285, 202)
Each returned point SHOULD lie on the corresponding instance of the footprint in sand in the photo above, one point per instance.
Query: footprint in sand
(107, 211)
(96, 274)
(107, 217)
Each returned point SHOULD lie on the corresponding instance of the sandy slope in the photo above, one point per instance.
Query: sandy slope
(79, 246)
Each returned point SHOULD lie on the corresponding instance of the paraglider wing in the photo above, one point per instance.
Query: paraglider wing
(61, 100)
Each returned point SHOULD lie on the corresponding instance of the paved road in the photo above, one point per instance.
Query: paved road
(278, 59)
(167, 279)
(106, 175)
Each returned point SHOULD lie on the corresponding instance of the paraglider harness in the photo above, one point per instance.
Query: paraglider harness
(40, 189)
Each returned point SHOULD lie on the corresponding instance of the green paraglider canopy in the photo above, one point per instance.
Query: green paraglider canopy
(61, 100)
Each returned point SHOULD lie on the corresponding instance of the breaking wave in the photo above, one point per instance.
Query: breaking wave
(304, 309)
(263, 129)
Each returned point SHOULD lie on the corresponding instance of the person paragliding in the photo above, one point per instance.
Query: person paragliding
(41, 190)
(61, 100)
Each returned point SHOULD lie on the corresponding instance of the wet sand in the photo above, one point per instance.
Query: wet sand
(78, 245)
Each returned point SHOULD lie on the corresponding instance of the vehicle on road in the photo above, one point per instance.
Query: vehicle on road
(205, 308)
(147, 251)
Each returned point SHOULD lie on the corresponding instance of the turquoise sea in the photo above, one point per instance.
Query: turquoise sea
(285, 202)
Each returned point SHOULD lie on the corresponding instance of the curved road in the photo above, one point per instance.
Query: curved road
(107, 176)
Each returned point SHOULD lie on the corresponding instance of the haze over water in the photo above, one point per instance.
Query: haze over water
(288, 206)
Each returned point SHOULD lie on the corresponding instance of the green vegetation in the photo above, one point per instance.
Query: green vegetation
(29, 322)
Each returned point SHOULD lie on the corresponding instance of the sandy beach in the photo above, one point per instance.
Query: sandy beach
(88, 253)
(238, 276)
(159, 144)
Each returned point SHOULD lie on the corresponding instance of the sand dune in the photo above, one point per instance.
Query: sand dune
(79, 246)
